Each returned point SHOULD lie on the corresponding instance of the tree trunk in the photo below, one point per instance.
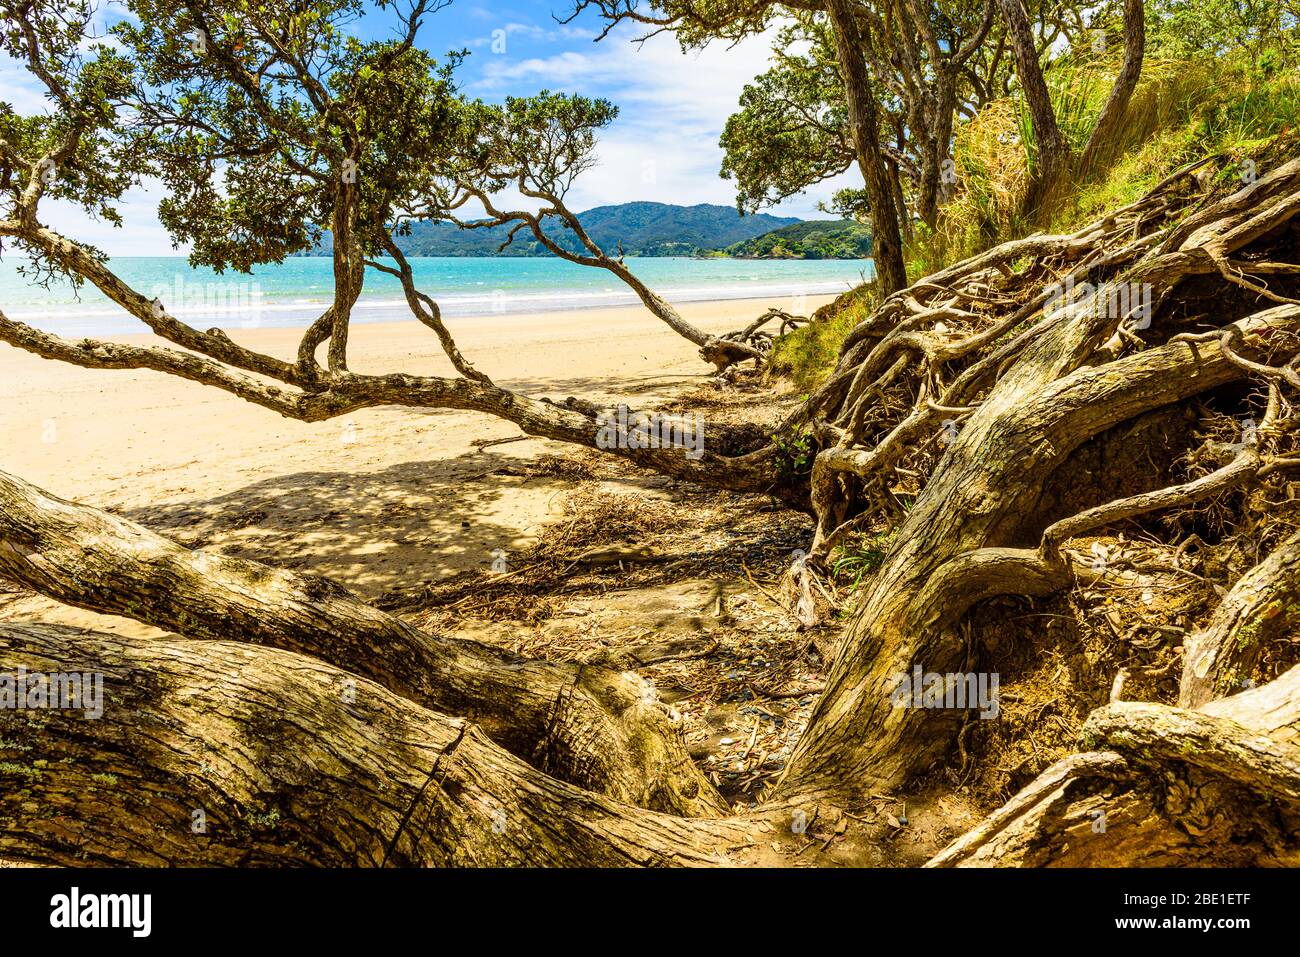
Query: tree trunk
(991, 477)
(351, 758)
(886, 241)
(1262, 606)
(1100, 142)
(1163, 787)
(1053, 151)
(221, 753)
(596, 728)
(964, 537)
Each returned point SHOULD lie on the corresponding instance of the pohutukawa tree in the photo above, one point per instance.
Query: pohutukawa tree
(792, 131)
(1009, 415)
(698, 23)
(935, 61)
(538, 147)
(1054, 157)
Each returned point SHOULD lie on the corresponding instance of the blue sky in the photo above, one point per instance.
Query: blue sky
(662, 147)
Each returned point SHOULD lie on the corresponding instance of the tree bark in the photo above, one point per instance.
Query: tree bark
(1263, 605)
(886, 241)
(1052, 148)
(1160, 787)
(226, 754)
(1100, 141)
(597, 728)
(991, 476)
(757, 471)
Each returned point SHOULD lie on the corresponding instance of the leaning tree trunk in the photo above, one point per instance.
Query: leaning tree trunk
(886, 243)
(223, 753)
(1100, 141)
(1053, 150)
(597, 728)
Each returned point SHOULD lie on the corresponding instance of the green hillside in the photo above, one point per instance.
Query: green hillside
(817, 239)
(643, 228)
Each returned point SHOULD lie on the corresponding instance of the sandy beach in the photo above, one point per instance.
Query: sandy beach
(378, 498)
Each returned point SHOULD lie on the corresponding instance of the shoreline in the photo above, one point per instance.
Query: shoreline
(368, 313)
(403, 316)
(377, 498)
(295, 294)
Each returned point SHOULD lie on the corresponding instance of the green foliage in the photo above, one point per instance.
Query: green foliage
(807, 355)
(791, 131)
(1260, 31)
(1237, 93)
(860, 556)
(816, 239)
(75, 149)
(1180, 112)
(255, 116)
(795, 452)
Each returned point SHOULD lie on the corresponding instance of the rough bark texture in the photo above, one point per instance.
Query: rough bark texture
(1214, 785)
(886, 243)
(597, 728)
(992, 476)
(223, 753)
(1125, 83)
(1053, 152)
(1160, 787)
(1261, 607)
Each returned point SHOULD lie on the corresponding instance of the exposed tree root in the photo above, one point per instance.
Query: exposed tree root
(597, 728)
(1262, 606)
(1160, 786)
(222, 753)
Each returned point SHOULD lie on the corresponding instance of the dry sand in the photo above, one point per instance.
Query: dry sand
(374, 499)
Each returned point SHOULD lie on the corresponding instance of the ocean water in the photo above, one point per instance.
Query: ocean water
(295, 292)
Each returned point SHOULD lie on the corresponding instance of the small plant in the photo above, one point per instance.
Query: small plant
(807, 356)
(796, 452)
(860, 557)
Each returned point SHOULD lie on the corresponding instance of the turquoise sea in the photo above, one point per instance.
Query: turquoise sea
(295, 292)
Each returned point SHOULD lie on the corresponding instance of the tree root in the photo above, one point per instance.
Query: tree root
(226, 754)
(1159, 786)
(596, 728)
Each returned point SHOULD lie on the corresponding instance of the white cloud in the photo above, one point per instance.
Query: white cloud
(672, 108)
(532, 32)
(21, 90)
(139, 235)
(663, 146)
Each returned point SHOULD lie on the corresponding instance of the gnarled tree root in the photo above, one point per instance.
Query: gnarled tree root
(596, 728)
(1264, 604)
(222, 753)
(1160, 786)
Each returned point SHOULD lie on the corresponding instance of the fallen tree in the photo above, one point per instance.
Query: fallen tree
(602, 730)
(219, 753)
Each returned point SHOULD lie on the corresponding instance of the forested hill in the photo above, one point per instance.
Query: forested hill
(644, 229)
(817, 239)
